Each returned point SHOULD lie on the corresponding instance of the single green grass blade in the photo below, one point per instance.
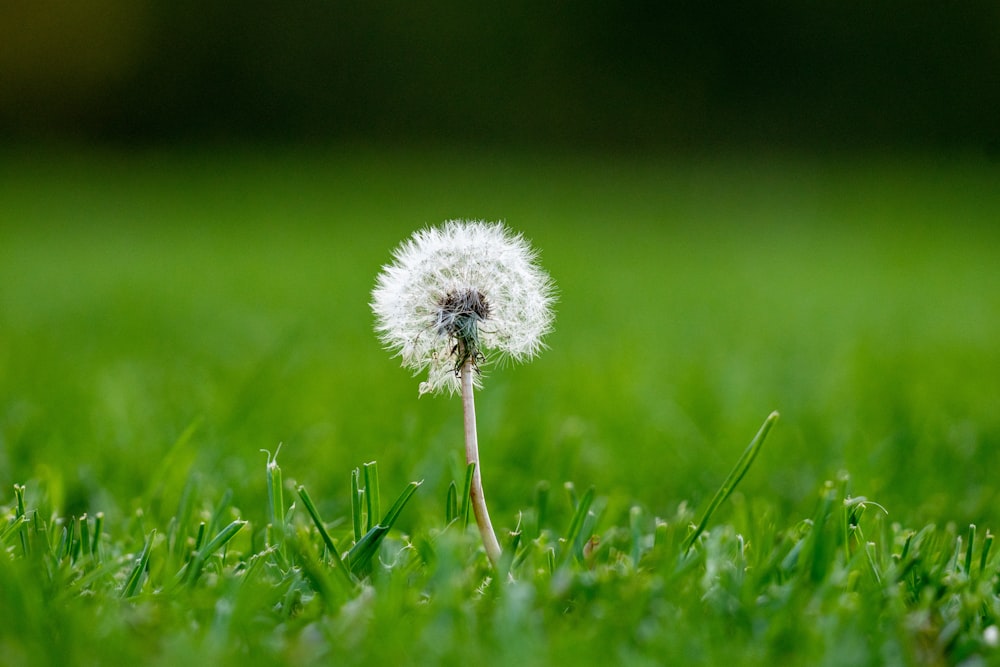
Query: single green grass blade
(906, 547)
(451, 503)
(586, 531)
(39, 534)
(582, 507)
(95, 546)
(132, 584)
(85, 542)
(470, 470)
(62, 546)
(987, 544)
(222, 538)
(327, 540)
(870, 556)
(19, 498)
(356, 499)
(371, 494)
(317, 520)
(21, 512)
(737, 473)
(968, 549)
(570, 488)
(76, 542)
(276, 508)
(275, 499)
(821, 543)
(953, 565)
(199, 539)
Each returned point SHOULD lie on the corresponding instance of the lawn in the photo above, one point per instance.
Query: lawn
(167, 315)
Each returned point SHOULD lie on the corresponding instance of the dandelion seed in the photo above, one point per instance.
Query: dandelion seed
(454, 296)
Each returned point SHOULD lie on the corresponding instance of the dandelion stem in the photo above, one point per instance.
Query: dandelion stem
(472, 456)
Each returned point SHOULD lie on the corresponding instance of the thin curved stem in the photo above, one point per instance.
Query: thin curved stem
(472, 456)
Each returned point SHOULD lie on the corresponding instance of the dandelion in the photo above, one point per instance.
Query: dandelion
(455, 298)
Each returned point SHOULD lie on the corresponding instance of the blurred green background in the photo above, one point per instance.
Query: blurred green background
(746, 207)
(634, 74)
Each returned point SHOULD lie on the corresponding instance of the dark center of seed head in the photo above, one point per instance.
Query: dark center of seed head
(460, 313)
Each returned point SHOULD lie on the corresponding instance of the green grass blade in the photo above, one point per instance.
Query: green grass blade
(19, 495)
(85, 542)
(276, 507)
(327, 540)
(451, 503)
(222, 538)
(371, 494)
(467, 495)
(356, 493)
(12, 528)
(737, 473)
(67, 541)
(95, 546)
(39, 535)
(199, 538)
(360, 556)
(570, 488)
(184, 517)
(987, 544)
(968, 549)
(206, 552)
(132, 584)
(317, 520)
(275, 500)
(585, 533)
(576, 525)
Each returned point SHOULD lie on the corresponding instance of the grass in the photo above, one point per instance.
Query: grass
(164, 317)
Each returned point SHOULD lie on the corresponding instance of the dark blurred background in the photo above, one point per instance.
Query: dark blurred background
(676, 75)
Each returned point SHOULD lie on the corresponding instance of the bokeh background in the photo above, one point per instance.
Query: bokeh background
(593, 73)
(747, 206)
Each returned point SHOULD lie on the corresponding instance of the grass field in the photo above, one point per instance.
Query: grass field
(165, 316)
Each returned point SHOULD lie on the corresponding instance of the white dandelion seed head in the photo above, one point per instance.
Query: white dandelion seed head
(463, 290)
